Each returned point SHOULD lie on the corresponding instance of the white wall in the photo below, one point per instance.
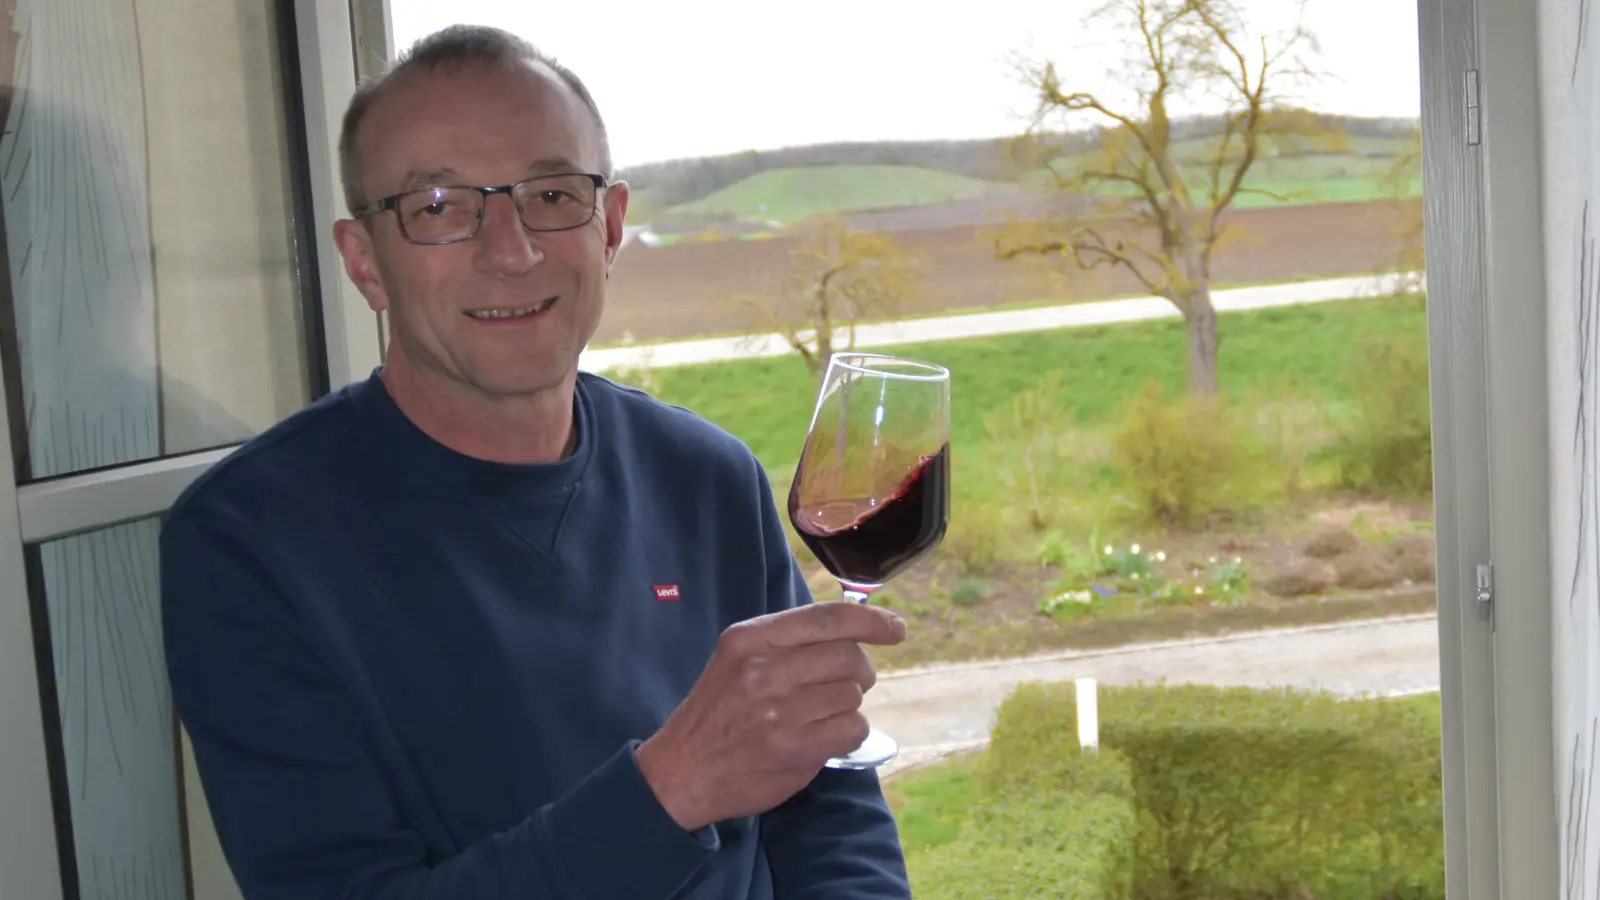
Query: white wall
(1569, 83)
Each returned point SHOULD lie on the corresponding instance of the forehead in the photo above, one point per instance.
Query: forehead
(485, 124)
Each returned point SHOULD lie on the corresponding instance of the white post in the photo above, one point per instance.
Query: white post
(1088, 715)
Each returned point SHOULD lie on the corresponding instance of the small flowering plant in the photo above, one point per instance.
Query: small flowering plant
(1065, 601)
(1116, 575)
(1228, 581)
(1132, 561)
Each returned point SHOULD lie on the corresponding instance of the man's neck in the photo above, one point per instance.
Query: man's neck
(532, 428)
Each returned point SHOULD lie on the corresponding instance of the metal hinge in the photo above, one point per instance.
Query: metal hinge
(1474, 114)
(1485, 595)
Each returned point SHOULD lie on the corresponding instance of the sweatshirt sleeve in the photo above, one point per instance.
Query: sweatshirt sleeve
(299, 797)
(836, 839)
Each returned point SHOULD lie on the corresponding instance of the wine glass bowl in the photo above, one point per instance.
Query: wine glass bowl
(871, 494)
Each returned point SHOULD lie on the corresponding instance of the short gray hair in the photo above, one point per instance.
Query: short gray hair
(452, 47)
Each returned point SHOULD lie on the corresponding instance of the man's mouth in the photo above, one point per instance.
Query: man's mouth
(513, 313)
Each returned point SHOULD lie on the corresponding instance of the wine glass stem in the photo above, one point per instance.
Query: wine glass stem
(856, 593)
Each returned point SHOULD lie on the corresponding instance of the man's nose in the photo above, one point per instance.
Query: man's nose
(507, 247)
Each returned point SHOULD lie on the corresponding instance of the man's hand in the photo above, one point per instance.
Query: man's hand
(781, 694)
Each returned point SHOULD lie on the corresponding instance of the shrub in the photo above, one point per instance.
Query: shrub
(1289, 427)
(968, 592)
(976, 529)
(1385, 440)
(1039, 455)
(1176, 456)
(1069, 556)
(1079, 561)
(1065, 832)
(1059, 846)
(1251, 794)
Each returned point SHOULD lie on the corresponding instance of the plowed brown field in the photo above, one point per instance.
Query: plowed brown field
(688, 289)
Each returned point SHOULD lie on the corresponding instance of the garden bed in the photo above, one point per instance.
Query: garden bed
(1353, 561)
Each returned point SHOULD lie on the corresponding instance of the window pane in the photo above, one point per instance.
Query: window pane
(152, 295)
(114, 711)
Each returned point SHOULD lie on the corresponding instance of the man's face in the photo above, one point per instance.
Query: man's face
(483, 125)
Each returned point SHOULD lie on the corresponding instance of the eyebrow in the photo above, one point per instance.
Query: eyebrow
(427, 177)
(439, 175)
(552, 164)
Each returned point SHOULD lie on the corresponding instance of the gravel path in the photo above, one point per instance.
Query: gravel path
(966, 325)
(937, 710)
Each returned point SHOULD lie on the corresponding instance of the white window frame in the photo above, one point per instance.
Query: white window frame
(1490, 415)
(328, 61)
(30, 858)
(1491, 425)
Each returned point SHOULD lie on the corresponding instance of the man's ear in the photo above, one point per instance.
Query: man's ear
(616, 211)
(360, 261)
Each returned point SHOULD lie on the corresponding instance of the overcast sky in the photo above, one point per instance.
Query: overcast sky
(700, 77)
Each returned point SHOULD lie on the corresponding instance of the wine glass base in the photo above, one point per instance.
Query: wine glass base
(876, 750)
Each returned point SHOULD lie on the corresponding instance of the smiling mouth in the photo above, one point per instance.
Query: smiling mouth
(518, 313)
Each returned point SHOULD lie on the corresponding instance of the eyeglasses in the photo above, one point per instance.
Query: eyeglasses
(447, 214)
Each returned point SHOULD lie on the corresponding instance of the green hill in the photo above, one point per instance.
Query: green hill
(797, 192)
(751, 188)
(1355, 172)
(674, 182)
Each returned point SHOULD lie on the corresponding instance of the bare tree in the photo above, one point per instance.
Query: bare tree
(1143, 171)
(837, 279)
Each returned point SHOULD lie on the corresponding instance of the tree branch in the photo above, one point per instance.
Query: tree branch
(1089, 249)
(835, 279)
(1078, 102)
(1254, 99)
(796, 341)
(1230, 122)
(1159, 216)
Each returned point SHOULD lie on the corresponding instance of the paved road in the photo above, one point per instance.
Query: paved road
(936, 710)
(678, 353)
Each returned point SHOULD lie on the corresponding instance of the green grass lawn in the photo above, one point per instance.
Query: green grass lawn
(798, 192)
(767, 402)
(929, 803)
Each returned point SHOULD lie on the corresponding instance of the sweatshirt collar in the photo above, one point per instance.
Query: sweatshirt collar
(400, 440)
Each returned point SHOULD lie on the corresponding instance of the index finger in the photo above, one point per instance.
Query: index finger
(817, 623)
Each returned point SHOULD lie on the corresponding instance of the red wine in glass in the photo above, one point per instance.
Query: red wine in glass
(871, 495)
(866, 544)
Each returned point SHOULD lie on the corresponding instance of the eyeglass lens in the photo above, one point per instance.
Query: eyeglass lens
(549, 203)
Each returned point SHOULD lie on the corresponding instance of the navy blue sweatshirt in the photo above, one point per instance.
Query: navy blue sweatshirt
(410, 674)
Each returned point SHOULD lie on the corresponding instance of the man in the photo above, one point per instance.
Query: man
(481, 626)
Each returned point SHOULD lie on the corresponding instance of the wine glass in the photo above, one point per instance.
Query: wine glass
(871, 494)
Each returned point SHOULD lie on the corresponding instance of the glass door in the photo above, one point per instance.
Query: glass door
(159, 304)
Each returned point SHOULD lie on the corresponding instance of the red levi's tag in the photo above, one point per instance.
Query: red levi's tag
(666, 591)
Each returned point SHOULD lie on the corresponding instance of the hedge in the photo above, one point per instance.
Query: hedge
(1070, 839)
(1200, 792)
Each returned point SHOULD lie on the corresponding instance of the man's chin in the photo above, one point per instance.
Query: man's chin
(514, 385)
